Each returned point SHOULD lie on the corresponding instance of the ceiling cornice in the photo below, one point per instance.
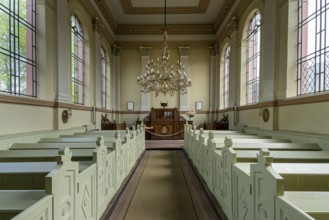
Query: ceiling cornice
(223, 13)
(171, 29)
(172, 45)
(129, 9)
(107, 14)
(157, 29)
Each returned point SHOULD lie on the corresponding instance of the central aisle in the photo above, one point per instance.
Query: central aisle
(162, 192)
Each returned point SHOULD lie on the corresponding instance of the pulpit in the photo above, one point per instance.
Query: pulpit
(166, 124)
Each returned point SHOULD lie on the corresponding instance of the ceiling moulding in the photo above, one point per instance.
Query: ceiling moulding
(171, 29)
(224, 12)
(128, 8)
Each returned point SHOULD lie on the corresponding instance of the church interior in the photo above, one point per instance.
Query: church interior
(86, 86)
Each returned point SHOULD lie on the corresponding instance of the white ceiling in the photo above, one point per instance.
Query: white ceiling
(151, 12)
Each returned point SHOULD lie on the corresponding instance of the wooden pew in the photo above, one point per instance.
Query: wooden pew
(60, 179)
(224, 178)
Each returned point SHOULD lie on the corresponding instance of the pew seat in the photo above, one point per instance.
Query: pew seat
(315, 204)
(19, 200)
(285, 156)
(277, 146)
(34, 154)
(53, 146)
(13, 202)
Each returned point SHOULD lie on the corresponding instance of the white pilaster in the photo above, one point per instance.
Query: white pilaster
(268, 52)
(116, 77)
(97, 34)
(145, 97)
(214, 79)
(63, 93)
(233, 83)
(183, 98)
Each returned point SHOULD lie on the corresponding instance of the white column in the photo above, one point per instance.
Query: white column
(145, 97)
(183, 99)
(97, 34)
(116, 78)
(63, 93)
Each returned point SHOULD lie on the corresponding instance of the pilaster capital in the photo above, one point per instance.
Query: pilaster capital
(233, 25)
(115, 49)
(183, 51)
(97, 25)
(214, 49)
(145, 51)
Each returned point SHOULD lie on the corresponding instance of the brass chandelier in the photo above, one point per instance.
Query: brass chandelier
(161, 76)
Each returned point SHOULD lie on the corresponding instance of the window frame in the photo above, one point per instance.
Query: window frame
(104, 77)
(22, 72)
(253, 37)
(226, 76)
(313, 60)
(77, 61)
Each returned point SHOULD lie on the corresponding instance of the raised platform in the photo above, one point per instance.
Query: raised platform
(164, 144)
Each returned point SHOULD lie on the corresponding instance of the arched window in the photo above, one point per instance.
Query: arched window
(226, 76)
(78, 61)
(104, 67)
(252, 59)
(313, 47)
(17, 47)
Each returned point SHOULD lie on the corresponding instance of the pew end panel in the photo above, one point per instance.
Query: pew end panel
(242, 193)
(111, 176)
(86, 196)
(217, 181)
(62, 184)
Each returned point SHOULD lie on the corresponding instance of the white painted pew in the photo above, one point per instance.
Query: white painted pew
(201, 146)
(205, 154)
(64, 200)
(115, 144)
(226, 182)
(130, 140)
(271, 181)
(248, 144)
(138, 136)
(191, 134)
(200, 139)
(96, 151)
